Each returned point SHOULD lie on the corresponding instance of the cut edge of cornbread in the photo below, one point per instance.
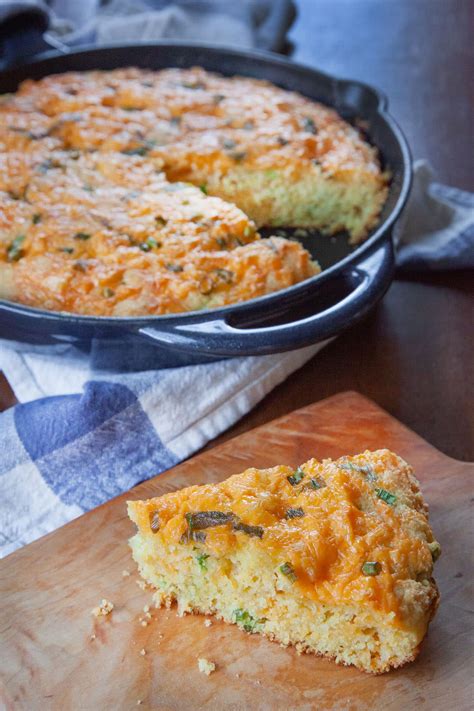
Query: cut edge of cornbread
(247, 584)
(277, 198)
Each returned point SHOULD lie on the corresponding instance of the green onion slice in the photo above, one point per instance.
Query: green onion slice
(154, 521)
(364, 469)
(371, 568)
(288, 570)
(294, 513)
(386, 496)
(296, 477)
(14, 251)
(316, 483)
(255, 531)
(201, 559)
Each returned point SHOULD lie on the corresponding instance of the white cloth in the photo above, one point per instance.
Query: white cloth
(81, 437)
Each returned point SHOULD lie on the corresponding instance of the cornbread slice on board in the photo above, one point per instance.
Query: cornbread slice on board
(335, 557)
(284, 159)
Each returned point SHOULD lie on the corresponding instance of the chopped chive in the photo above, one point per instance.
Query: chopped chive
(256, 531)
(228, 143)
(309, 125)
(226, 275)
(246, 620)
(108, 292)
(14, 251)
(149, 244)
(161, 220)
(435, 550)
(282, 141)
(294, 513)
(82, 235)
(36, 218)
(174, 267)
(288, 570)
(154, 521)
(193, 85)
(371, 568)
(208, 519)
(222, 242)
(238, 156)
(201, 559)
(386, 496)
(296, 477)
(316, 483)
(363, 469)
(66, 250)
(203, 188)
(137, 151)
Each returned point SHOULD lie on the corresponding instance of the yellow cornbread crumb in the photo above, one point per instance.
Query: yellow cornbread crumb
(105, 608)
(205, 666)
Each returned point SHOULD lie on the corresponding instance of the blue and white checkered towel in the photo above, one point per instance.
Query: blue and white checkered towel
(79, 438)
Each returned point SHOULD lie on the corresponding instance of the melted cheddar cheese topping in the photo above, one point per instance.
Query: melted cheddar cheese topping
(353, 530)
(98, 213)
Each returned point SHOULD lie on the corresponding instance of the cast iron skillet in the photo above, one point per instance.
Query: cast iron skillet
(351, 283)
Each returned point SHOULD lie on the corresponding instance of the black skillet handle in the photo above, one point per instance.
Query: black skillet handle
(366, 282)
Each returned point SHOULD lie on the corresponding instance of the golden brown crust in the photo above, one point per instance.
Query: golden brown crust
(75, 147)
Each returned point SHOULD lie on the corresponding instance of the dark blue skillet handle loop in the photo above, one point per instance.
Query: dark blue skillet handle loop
(363, 284)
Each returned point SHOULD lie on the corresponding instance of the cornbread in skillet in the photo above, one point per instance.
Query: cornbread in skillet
(283, 159)
(335, 557)
(106, 234)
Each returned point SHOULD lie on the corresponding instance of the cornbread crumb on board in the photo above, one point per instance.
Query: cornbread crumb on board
(104, 609)
(205, 666)
(343, 550)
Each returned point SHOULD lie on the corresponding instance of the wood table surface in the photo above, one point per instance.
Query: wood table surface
(413, 355)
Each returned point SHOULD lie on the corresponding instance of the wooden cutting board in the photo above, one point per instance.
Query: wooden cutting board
(49, 661)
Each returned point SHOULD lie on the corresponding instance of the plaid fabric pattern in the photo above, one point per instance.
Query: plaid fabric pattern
(63, 454)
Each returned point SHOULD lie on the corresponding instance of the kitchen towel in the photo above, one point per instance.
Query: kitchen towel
(80, 436)
(31, 26)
